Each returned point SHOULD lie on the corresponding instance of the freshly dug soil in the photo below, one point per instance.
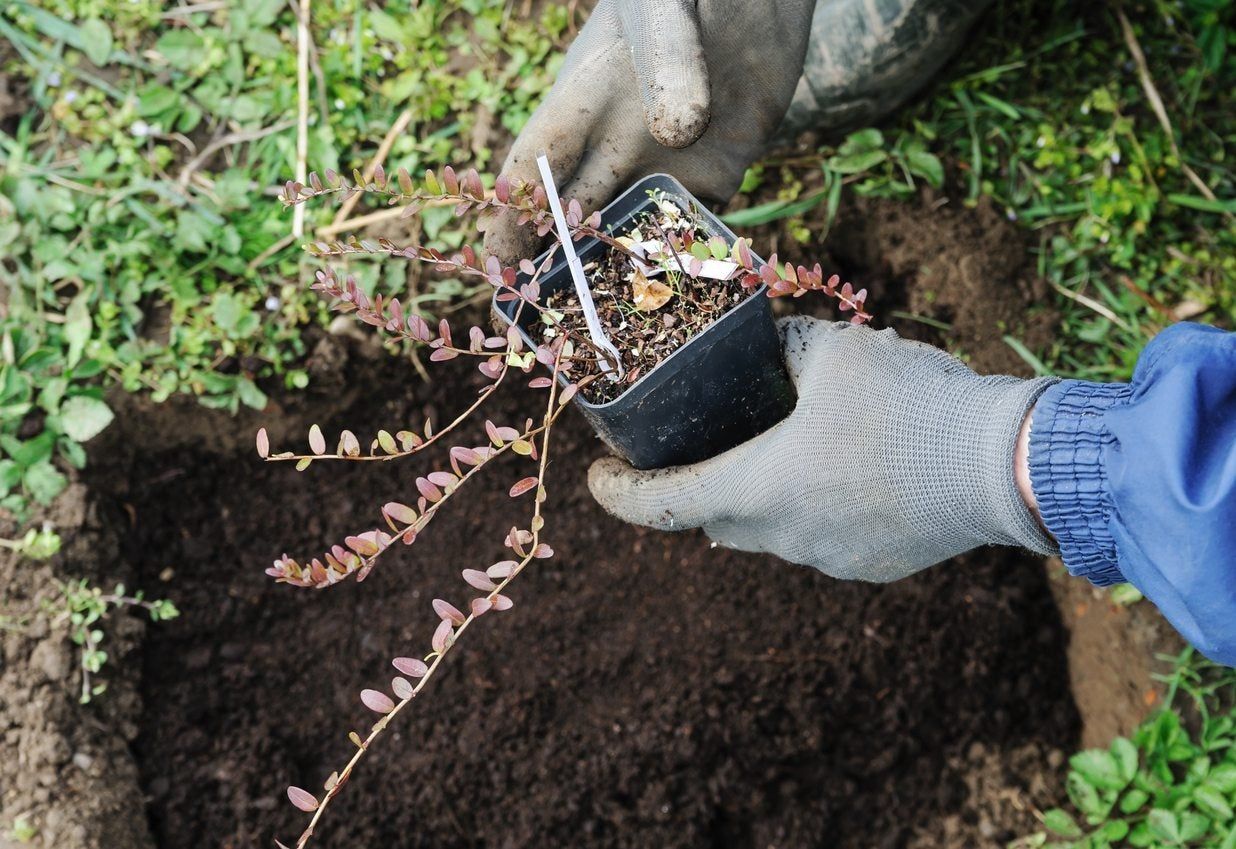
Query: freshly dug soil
(647, 689)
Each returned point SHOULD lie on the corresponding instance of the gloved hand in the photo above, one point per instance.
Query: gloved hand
(897, 457)
(645, 79)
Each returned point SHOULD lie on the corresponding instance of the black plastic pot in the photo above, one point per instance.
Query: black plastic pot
(721, 388)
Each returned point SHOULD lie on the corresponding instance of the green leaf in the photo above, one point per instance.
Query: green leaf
(96, 41)
(1085, 797)
(31, 451)
(250, 395)
(1031, 360)
(1164, 825)
(264, 43)
(77, 327)
(856, 163)
(1223, 777)
(1133, 800)
(926, 165)
(1192, 826)
(1113, 830)
(772, 211)
(1060, 822)
(1203, 204)
(84, 417)
(1211, 801)
(1125, 594)
(862, 140)
(1098, 768)
(182, 48)
(1125, 754)
(262, 13)
(44, 482)
(154, 99)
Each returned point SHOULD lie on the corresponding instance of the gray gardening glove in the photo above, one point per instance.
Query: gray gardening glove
(699, 89)
(645, 79)
(897, 457)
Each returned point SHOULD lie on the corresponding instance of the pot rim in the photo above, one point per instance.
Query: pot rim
(724, 231)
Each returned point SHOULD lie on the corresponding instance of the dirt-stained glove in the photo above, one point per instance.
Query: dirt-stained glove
(645, 79)
(897, 457)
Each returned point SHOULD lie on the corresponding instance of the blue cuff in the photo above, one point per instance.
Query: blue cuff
(1068, 443)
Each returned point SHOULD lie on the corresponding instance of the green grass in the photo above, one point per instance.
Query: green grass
(132, 261)
(1046, 116)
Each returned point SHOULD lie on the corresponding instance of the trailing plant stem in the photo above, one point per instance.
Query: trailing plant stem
(552, 411)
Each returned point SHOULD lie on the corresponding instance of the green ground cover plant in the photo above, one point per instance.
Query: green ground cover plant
(1173, 784)
(1107, 134)
(141, 248)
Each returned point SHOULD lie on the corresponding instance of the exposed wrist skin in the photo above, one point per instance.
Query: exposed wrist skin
(1021, 467)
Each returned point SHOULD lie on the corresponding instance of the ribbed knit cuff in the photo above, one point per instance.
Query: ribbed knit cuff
(1068, 442)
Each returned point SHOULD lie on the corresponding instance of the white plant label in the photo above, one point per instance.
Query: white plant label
(577, 271)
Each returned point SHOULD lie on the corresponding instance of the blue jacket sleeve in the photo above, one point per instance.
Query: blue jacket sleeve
(1137, 482)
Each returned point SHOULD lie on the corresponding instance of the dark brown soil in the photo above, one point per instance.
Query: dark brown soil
(67, 768)
(646, 690)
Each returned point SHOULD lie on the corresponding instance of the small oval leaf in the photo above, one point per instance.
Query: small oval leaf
(302, 799)
(447, 612)
(377, 701)
(411, 666)
(479, 579)
(525, 485)
(317, 441)
(402, 688)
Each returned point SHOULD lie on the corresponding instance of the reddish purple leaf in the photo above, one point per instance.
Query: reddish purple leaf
(442, 637)
(525, 485)
(447, 612)
(411, 666)
(427, 489)
(263, 443)
(501, 569)
(479, 579)
(377, 701)
(543, 551)
(443, 479)
(362, 545)
(400, 514)
(302, 799)
(317, 442)
(501, 602)
(480, 606)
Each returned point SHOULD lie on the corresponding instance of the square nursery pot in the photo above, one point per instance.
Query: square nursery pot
(723, 387)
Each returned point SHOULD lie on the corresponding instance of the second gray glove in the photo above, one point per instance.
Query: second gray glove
(897, 457)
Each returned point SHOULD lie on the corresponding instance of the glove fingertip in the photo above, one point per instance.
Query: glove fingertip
(678, 124)
(631, 495)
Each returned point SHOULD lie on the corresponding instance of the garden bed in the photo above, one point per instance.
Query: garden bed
(647, 689)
